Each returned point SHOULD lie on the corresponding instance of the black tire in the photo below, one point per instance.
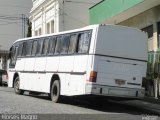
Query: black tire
(16, 87)
(55, 92)
(0, 82)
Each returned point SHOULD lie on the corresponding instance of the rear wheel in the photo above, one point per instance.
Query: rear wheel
(16, 87)
(55, 91)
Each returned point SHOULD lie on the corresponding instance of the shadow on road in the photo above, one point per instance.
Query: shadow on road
(100, 104)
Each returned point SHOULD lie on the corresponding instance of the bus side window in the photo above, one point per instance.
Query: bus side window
(29, 47)
(39, 47)
(45, 46)
(24, 49)
(83, 42)
(34, 47)
(52, 43)
(14, 51)
(65, 44)
(58, 45)
(73, 43)
(20, 48)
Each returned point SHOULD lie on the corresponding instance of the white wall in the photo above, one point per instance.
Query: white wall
(66, 15)
(75, 14)
(44, 14)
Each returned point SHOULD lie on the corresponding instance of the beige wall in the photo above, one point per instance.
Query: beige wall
(149, 17)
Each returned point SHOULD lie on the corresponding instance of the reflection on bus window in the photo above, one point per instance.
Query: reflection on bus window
(45, 46)
(52, 44)
(73, 43)
(65, 44)
(58, 45)
(83, 42)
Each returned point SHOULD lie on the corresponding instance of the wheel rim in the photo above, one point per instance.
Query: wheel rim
(55, 91)
(17, 85)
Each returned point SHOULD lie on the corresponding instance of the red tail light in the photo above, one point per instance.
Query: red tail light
(93, 76)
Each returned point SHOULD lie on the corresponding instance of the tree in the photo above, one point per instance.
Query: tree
(29, 34)
(153, 73)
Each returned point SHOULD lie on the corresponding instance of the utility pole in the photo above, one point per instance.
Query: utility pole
(24, 20)
(63, 15)
(22, 26)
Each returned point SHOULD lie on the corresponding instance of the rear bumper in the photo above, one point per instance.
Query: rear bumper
(114, 91)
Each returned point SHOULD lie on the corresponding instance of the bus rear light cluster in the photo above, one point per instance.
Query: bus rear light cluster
(93, 76)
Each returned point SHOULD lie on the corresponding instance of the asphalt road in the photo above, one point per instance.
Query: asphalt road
(70, 108)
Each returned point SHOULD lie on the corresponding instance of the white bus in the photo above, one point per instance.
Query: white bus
(104, 60)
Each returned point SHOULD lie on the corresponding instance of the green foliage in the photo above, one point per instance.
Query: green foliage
(29, 34)
(153, 65)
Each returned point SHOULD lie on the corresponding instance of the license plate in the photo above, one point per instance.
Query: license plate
(120, 82)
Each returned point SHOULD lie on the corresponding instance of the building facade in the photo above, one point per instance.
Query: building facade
(11, 25)
(51, 16)
(141, 14)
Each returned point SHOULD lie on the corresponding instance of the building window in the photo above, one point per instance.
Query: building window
(149, 31)
(38, 32)
(50, 27)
